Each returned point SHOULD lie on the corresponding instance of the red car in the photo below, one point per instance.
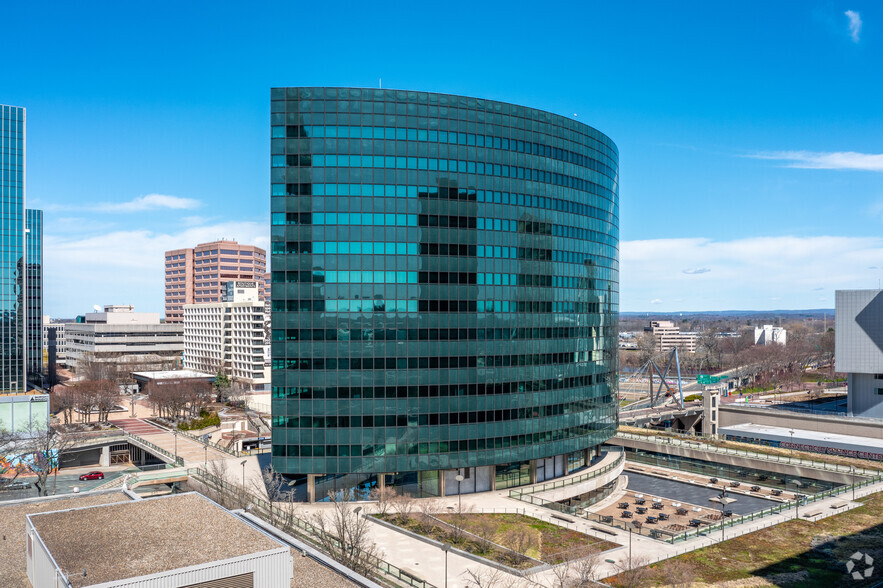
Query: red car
(92, 476)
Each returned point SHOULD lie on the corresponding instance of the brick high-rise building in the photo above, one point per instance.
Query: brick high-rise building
(197, 275)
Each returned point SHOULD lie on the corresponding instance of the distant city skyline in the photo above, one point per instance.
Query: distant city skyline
(748, 134)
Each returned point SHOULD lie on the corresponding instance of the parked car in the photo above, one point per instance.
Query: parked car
(14, 485)
(92, 476)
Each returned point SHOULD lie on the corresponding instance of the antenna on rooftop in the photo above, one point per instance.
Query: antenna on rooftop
(96, 308)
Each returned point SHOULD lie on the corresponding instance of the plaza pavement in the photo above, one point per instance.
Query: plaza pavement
(427, 561)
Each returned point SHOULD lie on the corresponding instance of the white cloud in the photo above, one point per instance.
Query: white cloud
(855, 25)
(825, 160)
(125, 266)
(696, 270)
(748, 273)
(149, 202)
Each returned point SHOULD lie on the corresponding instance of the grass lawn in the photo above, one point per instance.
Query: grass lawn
(531, 537)
(795, 553)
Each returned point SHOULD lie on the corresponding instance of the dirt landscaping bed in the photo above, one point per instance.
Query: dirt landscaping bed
(525, 538)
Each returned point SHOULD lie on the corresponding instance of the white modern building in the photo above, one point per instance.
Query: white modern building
(768, 334)
(858, 349)
(229, 335)
(119, 335)
(668, 336)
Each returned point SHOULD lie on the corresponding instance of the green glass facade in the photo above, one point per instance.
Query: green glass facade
(444, 286)
(12, 249)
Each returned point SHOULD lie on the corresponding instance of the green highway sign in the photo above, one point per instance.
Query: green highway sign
(708, 379)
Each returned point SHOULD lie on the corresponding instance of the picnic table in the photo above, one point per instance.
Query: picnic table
(663, 516)
(755, 488)
(623, 505)
(657, 505)
(651, 519)
(641, 509)
(682, 511)
(777, 492)
(640, 501)
(626, 514)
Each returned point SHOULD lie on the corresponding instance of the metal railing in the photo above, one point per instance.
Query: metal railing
(527, 494)
(209, 443)
(178, 461)
(304, 530)
(544, 486)
(700, 443)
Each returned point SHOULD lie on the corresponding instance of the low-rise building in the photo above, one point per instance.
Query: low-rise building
(156, 542)
(121, 339)
(229, 336)
(768, 334)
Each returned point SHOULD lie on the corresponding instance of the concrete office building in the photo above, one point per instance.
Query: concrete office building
(121, 338)
(768, 334)
(197, 275)
(858, 349)
(668, 336)
(444, 291)
(228, 335)
(21, 275)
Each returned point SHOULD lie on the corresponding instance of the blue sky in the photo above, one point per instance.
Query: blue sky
(749, 133)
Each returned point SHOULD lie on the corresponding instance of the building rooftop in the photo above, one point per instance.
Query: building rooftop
(803, 436)
(138, 538)
(13, 564)
(171, 375)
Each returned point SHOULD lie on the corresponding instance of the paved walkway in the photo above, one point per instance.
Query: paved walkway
(191, 451)
(427, 561)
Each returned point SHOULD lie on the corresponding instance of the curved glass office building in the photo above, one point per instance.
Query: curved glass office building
(444, 291)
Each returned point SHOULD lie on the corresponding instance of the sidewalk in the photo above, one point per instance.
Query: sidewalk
(427, 561)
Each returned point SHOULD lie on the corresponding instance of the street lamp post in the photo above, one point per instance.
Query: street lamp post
(797, 498)
(630, 526)
(791, 431)
(446, 547)
(459, 479)
(244, 461)
(175, 433)
(724, 501)
(852, 471)
(205, 457)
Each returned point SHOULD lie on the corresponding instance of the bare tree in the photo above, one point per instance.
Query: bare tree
(283, 508)
(521, 540)
(383, 498)
(562, 575)
(63, 401)
(403, 505)
(635, 575)
(41, 450)
(345, 535)
(484, 578)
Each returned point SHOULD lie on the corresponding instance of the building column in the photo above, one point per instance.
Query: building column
(533, 470)
(493, 478)
(104, 460)
(441, 483)
(311, 487)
